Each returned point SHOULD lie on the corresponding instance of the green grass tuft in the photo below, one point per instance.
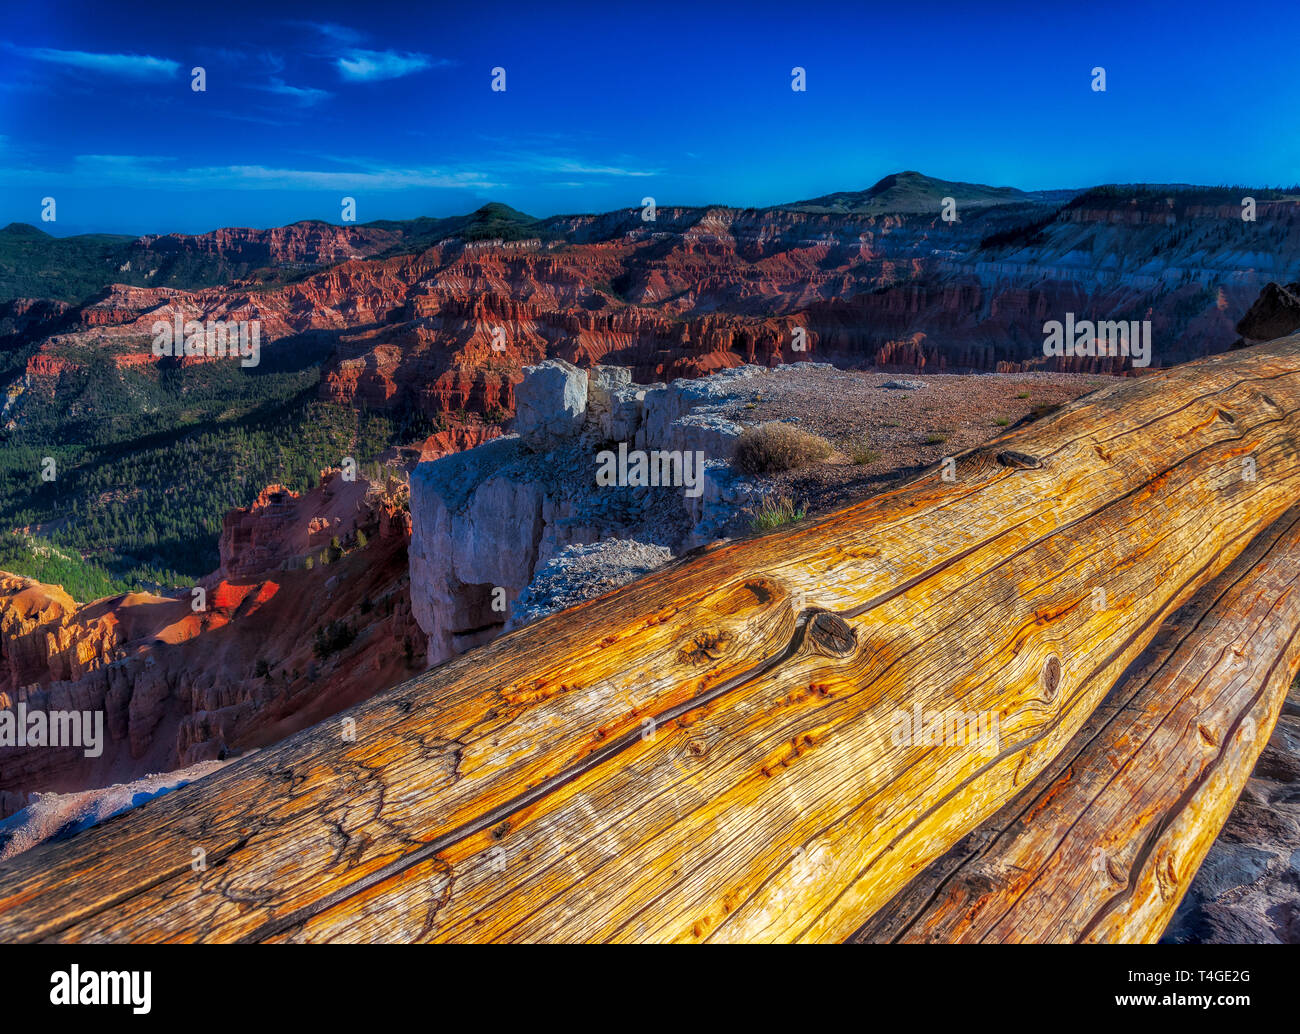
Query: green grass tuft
(774, 512)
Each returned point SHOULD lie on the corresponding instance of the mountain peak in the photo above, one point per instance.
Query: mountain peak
(500, 210)
(908, 176)
(23, 230)
(911, 192)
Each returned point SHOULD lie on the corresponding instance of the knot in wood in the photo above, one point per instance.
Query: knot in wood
(1019, 460)
(1051, 678)
(697, 748)
(831, 634)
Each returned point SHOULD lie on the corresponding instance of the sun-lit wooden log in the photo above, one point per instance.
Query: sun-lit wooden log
(1104, 843)
(714, 752)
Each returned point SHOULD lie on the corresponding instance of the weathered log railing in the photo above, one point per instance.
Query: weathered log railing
(1101, 846)
(714, 752)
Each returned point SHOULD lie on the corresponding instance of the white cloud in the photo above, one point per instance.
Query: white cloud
(269, 61)
(583, 169)
(135, 66)
(328, 173)
(261, 177)
(156, 172)
(364, 66)
(334, 31)
(305, 95)
(566, 165)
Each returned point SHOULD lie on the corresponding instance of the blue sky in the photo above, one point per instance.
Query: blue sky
(608, 103)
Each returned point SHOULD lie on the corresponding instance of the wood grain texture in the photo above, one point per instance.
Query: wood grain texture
(1104, 843)
(703, 755)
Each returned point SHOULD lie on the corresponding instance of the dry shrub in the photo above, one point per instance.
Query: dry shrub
(862, 454)
(772, 447)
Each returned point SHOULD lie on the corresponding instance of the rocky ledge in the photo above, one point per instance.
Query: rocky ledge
(592, 458)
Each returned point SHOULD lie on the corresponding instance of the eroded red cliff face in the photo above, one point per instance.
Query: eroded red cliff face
(278, 644)
(311, 243)
(282, 527)
(449, 328)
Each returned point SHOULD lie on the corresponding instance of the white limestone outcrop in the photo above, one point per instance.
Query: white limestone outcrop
(487, 521)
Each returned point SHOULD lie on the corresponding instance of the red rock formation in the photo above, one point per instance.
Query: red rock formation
(456, 439)
(282, 527)
(311, 243)
(702, 289)
(33, 631)
(271, 652)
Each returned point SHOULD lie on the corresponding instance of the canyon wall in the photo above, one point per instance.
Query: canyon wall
(447, 329)
(292, 628)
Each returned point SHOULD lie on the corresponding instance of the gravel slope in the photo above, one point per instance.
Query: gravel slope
(907, 429)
